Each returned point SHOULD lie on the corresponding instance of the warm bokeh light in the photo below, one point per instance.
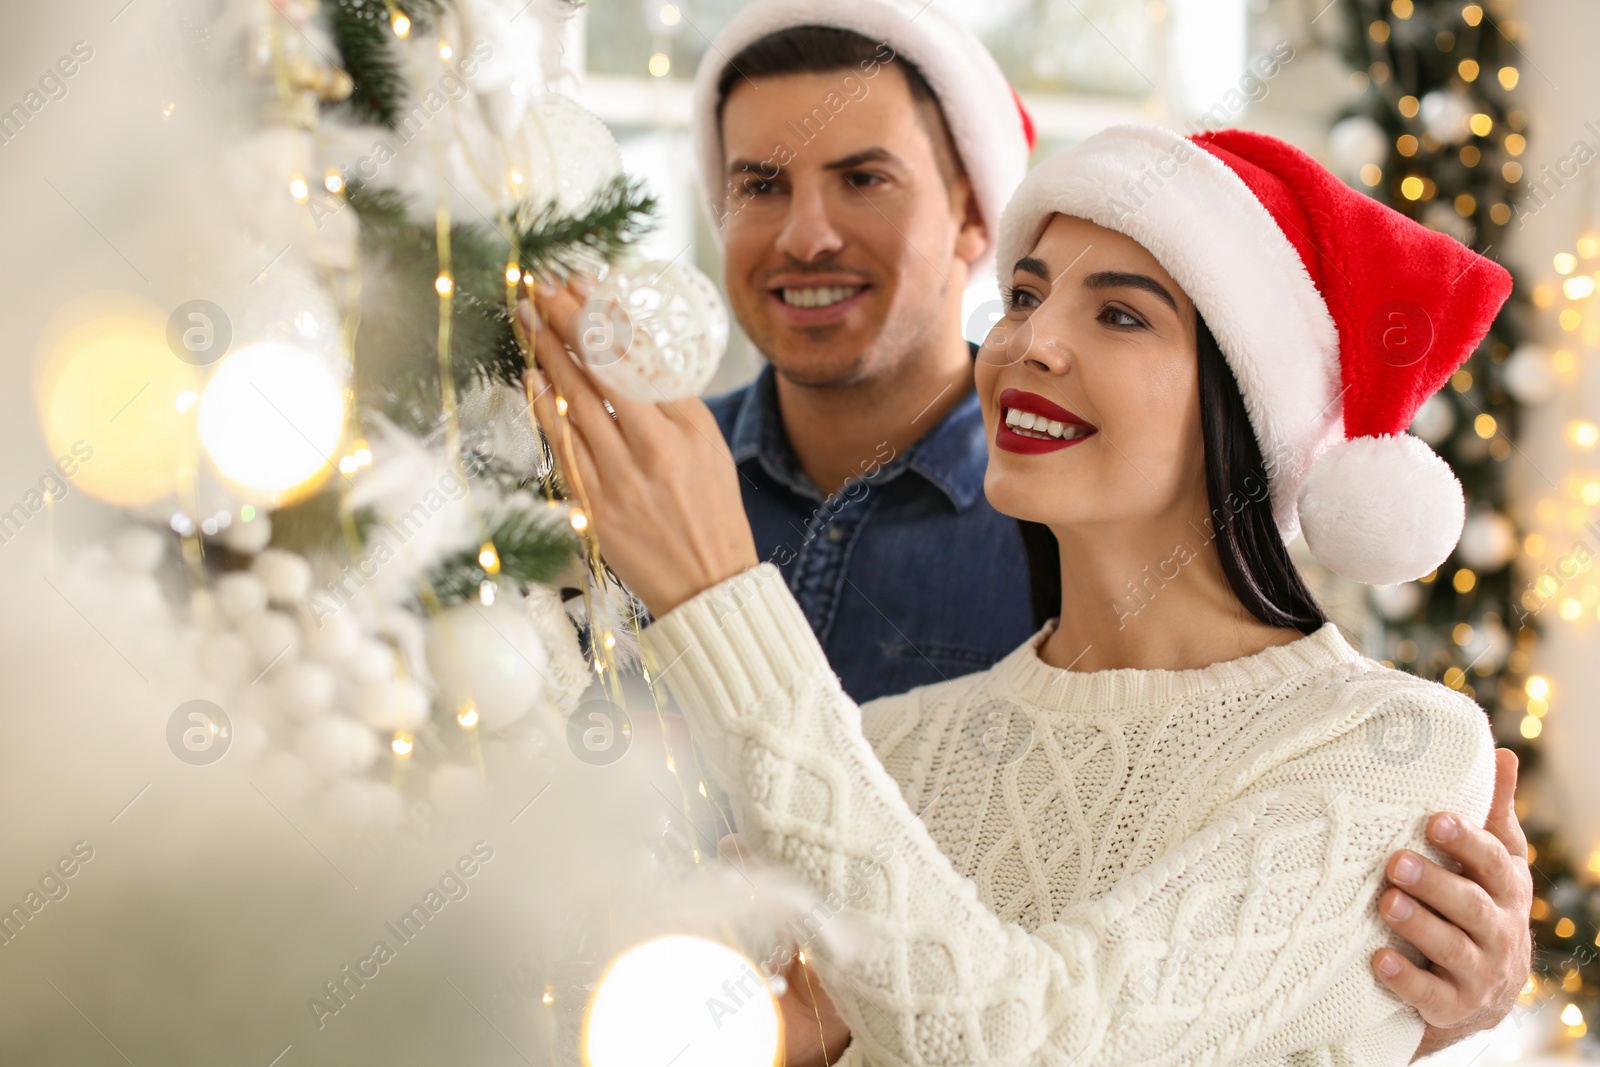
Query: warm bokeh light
(271, 419)
(683, 999)
(110, 395)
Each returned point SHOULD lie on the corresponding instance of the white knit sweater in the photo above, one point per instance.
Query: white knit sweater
(1060, 867)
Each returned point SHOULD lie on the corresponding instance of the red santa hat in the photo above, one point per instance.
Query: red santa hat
(1338, 316)
(992, 131)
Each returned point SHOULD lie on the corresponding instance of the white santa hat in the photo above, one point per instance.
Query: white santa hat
(1338, 316)
(992, 131)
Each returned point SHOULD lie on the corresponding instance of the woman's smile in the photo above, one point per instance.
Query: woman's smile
(1029, 424)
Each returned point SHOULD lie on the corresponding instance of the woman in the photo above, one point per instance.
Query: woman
(1154, 832)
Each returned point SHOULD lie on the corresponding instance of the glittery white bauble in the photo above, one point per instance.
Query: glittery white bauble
(1489, 646)
(138, 549)
(1397, 601)
(330, 638)
(1354, 142)
(394, 704)
(653, 331)
(240, 596)
(488, 656)
(1445, 114)
(337, 746)
(1434, 419)
(567, 153)
(1529, 375)
(302, 690)
(1488, 541)
(286, 575)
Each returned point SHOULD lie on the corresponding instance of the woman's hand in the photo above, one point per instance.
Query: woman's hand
(1473, 926)
(657, 482)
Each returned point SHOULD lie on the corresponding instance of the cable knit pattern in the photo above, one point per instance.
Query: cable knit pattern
(1056, 867)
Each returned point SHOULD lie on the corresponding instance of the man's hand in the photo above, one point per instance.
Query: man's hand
(813, 1033)
(1472, 927)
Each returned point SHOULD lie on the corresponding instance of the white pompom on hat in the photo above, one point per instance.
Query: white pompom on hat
(992, 131)
(1338, 316)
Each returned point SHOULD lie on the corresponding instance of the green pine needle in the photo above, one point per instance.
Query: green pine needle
(532, 550)
(369, 53)
(552, 244)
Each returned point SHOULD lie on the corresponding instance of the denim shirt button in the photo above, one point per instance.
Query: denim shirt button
(835, 533)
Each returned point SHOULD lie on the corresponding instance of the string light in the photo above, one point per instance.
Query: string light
(401, 24)
(1565, 262)
(1468, 69)
(513, 274)
(1531, 727)
(1583, 434)
(1537, 687)
(1578, 287)
(467, 717)
(333, 181)
(580, 521)
(402, 745)
(561, 405)
(1472, 14)
(660, 64)
(445, 51)
(1464, 580)
(670, 15)
(299, 190)
(444, 284)
(549, 995)
(488, 558)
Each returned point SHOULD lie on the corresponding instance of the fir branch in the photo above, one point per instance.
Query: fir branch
(552, 244)
(532, 550)
(369, 53)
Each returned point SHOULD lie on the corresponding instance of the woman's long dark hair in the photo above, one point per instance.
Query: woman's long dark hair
(1253, 554)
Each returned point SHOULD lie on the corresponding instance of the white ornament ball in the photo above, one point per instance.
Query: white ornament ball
(273, 638)
(489, 656)
(1354, 142)
(454, 788)
(337, 747)
(240, 596)
(331, 638)
(1445, 114)
(1529, 375)
(394, 704)
(1489, 647)
(302, 690)
(1396, 602)
(137, 599)
(370, 661)
(284, 777)
(654, 331)
(226, 658)
(138, 549)
(1488, 541)
(1435, 420)
(286, 575)
(569, 152)
(247, 538)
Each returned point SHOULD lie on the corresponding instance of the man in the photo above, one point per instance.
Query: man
(855, 155)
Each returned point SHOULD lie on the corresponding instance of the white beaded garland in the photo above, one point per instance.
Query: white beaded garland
(138, 549)
(240, 596)
(226, 658)
(303, 690)
(286, 575)
(392, 704)
(337, 746)
(273, 638)
(330, 638)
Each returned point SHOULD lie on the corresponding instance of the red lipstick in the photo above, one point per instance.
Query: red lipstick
(1010, 440)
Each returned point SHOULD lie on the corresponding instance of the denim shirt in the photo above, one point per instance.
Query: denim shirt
(907, 575)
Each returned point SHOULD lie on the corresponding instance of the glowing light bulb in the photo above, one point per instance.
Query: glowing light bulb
(580, 521)
(299, 190)
(333, 181)
(1571, 1015)
(660, 64)
(401, 24)
(682, 992)
(444, 285)
(270, 419)
(467, 717)
(488, 558)
(402, 745)
(1565, 262)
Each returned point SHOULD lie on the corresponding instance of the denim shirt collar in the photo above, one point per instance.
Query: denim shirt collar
(951, 457)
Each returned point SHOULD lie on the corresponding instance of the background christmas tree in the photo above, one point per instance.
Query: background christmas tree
(1437, 134)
